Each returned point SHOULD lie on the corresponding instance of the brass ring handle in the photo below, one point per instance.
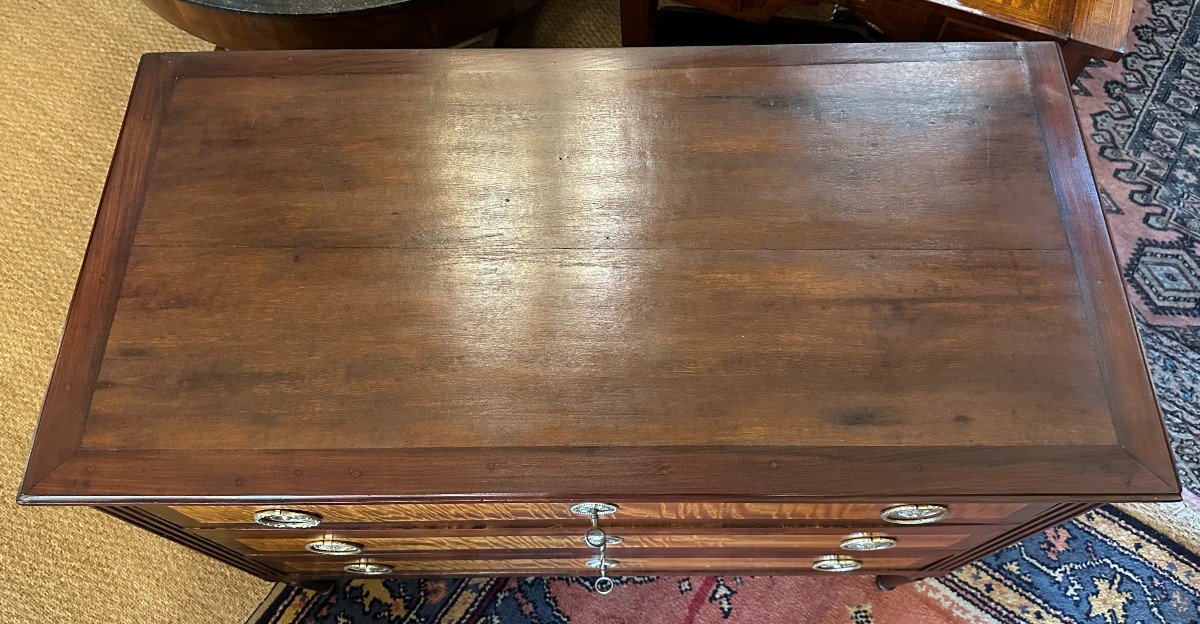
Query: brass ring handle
(868, 541)
(598, 538)
(836, 563)
(595, 537)
(286, 519)
(915, 514)
(596, 509)
(368, 568)
(330, 546)
(603, 585)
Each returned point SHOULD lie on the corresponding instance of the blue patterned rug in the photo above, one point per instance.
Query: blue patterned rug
(1105, 567)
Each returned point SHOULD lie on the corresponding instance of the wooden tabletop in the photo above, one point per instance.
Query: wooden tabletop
(742, 273)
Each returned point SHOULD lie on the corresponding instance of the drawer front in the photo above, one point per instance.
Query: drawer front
(324, 566)
(416, 541)
(628, 513)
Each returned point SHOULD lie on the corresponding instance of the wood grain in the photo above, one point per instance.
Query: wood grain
(531, 348)
(947, 473)
(1102, 24)
(467, 181)
(597, 316)
(508, 567)
(213, 548)
(509, 61)
(491, 512)
(729, 539)
(1118, 347)
(61, 428)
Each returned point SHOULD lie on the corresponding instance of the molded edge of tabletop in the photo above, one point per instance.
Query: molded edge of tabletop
(315, 62)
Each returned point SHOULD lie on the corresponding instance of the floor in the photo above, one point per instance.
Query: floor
(67, 70)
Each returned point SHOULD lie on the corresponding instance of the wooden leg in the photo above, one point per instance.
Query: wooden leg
(889, 582)
(321, 586)
(637, 22)
(1075, 61)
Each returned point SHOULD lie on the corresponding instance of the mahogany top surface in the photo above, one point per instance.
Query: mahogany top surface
(814, 271)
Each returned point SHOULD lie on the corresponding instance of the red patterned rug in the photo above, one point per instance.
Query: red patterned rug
(1141, 118)
(1136, 563)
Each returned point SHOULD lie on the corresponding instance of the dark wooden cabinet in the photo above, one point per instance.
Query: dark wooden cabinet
(786, 310)
(1085, 29)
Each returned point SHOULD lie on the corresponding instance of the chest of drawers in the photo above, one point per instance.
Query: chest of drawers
(761, 310)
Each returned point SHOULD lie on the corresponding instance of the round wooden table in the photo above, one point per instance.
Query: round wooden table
(300, 24)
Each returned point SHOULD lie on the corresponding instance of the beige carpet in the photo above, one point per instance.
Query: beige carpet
(568, 24)
(67, 69)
